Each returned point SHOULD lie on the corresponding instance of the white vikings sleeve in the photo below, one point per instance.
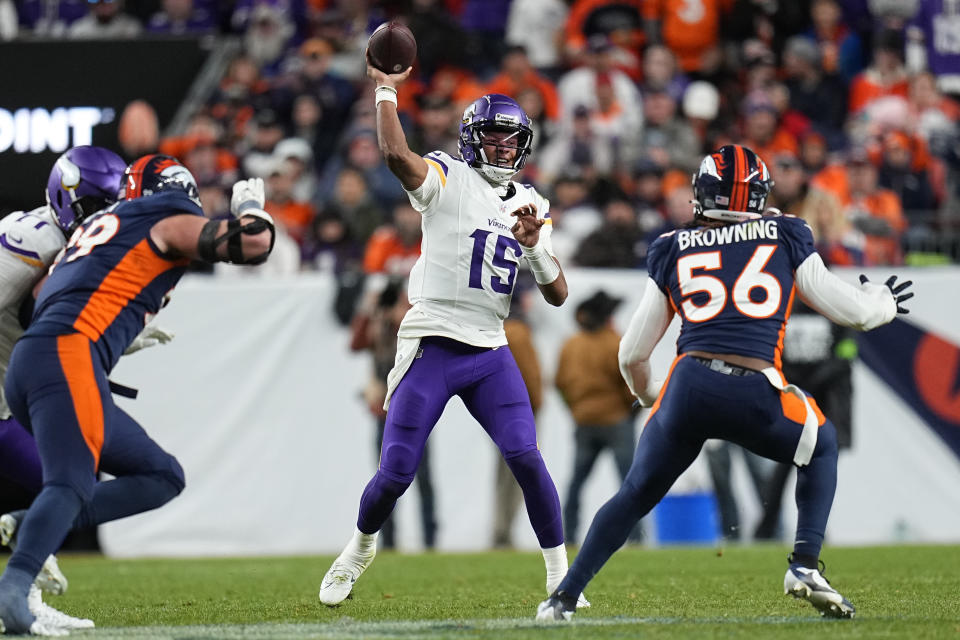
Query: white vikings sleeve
(865, 307)
(28, 244)
(647, 326)
(29, 241)
(428, 194)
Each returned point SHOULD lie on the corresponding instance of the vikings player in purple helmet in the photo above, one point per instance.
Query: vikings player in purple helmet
(731, 275)
(478, 227)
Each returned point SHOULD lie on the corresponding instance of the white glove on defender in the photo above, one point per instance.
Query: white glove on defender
(247, 194)
(151, 336)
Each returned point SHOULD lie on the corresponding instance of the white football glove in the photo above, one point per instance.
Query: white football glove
(151, 336)
(247, 194)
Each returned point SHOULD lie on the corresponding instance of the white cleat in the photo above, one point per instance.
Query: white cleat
(51, 617)
(50, 579)
(44, 629)
(340, 578)
(557, 608)
(582, 602)
(810, 585)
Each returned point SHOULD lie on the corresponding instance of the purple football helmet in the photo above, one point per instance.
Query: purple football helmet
(494, 112)
(83, 180)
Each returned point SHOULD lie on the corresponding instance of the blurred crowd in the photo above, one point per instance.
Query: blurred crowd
(851, 103)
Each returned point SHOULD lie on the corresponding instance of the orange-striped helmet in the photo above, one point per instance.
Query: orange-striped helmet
(731, 185)
(155, 173)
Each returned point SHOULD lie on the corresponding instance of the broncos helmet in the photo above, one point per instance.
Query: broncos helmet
(494, 112)
(155, 173)
(731, 185)
(83, 180)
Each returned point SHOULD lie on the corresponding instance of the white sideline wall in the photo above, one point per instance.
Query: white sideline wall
(259, 398)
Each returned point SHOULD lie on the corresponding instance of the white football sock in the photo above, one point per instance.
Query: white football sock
(556, 561)
(361, 547)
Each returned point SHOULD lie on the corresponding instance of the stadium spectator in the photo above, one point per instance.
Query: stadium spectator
(360, 153)
(440, 38)
(45, 19)
(580, 87)
(937, 54)
(886, 75)
(266, 132)
(236, 99)
(761, 129)
(105, 20)
(872, 215)
(759, 65)
(354, 206)
(693, 36)
(517, 74)
(615, 243)
(821, 97)
(791, 186)
(393, 249)
(334, 96)
(719, 454)
(485, 23)
(573, 213)
(538, 25)
(138, 131)
(840, 45)
(667, 139)
(507, 494)
(619, 22)
(295, 216)
(908, 179)
(181, 17)
(266, 36)
(297, 154)
(589, 381)
(701, 106)
(660, 72)
(436, 126)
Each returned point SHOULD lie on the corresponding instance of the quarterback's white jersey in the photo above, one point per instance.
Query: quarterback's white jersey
(461, 285)
(29, 242)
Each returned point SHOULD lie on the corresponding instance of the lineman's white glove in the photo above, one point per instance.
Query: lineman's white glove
(151, 336)
(247, 194)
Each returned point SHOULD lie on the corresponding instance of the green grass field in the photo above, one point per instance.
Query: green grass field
(899, 592)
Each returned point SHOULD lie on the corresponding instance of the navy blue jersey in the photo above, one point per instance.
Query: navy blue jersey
(733, 285)
(111, 278)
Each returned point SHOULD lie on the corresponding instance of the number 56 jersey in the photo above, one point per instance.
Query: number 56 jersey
(461, 285)
(732, 285)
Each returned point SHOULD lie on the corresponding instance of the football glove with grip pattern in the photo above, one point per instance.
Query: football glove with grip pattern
(895, 289)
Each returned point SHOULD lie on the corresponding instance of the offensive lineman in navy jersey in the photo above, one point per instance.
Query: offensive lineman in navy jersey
(731, 275)
(108, 282)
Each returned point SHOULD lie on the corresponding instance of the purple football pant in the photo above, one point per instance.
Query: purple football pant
(19, 459)
(489, 383)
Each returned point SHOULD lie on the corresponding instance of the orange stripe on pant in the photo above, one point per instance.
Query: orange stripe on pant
(74, 353)
(663, 389)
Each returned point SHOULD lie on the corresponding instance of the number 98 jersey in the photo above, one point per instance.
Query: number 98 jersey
(461, 285)
(732, 285)
(111, 278)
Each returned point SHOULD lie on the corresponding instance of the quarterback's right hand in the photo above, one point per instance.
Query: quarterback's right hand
(897, 291)
(382, 78)
(247, 194)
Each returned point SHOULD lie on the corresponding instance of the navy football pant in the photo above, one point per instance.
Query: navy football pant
(58, 390)
(697, 404)
(489, 383)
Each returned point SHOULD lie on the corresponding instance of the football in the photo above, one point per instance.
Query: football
(392, 47)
